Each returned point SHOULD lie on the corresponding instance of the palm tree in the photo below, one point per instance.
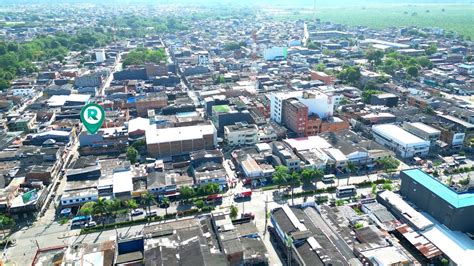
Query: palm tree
(100, 209)
(281, 175)
(131, 204)
(165, 201)
(148, 199)
(294, 181)
(351, 168)
(113, 206)
(289, 244)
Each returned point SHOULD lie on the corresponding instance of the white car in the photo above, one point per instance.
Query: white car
(90, 224)
(137, 212)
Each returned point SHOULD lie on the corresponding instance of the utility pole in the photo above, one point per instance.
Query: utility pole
(266, 218)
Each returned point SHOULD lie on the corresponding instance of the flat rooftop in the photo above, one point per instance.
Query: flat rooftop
(458, 200)
(398, 135)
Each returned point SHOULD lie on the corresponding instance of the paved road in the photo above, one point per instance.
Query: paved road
(48, 232)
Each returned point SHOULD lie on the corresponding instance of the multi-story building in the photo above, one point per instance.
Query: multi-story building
(452, 208)
(166, 142)
(295, 116)
(241, 134)
(423, 131)
(149, 102)
(400, 141)
(317, 102)
(323, 77)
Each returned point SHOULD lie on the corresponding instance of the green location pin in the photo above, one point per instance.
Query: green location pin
(92, 116)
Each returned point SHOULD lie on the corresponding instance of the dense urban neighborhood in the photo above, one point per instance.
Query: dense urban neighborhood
(230, 137)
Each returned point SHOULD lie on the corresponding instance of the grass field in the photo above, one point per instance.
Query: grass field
(457, 18)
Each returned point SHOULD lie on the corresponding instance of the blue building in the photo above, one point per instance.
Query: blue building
(452, 208)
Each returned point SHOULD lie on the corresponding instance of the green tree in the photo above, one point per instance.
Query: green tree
(6, 222)
(423, 61)
(307, 175)
(220, 79)
(141, 56)
(358, 225)
(165, 201)
(387, 186)
(412, 71)
(320, 67)
(373, 189)
(210, 188)
(366, 95)
(349, 74)
(389, 164)
(199, 204)
(234, 211)
(186, 192)
(148, 200)
(131, 204)
(433, 48)
(281, 175)
(87, 208)
(351, 169)
(139, 144)
(132, 154)
(294, 181)
(374, 56)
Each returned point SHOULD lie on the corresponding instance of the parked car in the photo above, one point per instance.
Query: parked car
(248, 215)
(90, 224)
(137, 212)
(151, 214)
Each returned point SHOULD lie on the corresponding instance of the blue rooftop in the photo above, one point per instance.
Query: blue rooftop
(458, 200)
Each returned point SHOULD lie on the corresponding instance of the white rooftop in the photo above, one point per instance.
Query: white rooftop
(122, 181)
(312, 142)
(456, 245)
(59, 100)
(162, 135)
(398, 135)
(138, 123)
(408, 212)
(425, 128)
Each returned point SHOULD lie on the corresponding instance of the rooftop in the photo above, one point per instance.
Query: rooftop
(458, 200)
(398, 134)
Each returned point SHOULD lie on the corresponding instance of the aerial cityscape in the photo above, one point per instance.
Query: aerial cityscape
(141, 132)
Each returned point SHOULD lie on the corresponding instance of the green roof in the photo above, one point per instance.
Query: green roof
(221, 108)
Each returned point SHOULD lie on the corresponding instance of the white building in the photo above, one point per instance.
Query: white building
(78, 197)
(23, 91)
(203, 58)
(241, 134)
(122, 183)
(317, 102)
(100, 56)
(402, 142)
(423, 131)
(275, 53)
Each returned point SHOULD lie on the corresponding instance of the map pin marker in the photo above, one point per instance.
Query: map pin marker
(92, 116)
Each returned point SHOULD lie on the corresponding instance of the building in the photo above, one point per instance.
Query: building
(323, 77)
(100, 55)
(452, 208)
(400, 141)
(423, 131)
(317, 102)
(275, 53)
(150, 102)
(385, 99)
(225, 115)
(241, 134)
(295, 116)
(166, 142)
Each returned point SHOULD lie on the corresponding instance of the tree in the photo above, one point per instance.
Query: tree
(148, 200)
(432, 49)
(113, 206)
(351, 168)
(374, 56)
(234, 211)
(307, 176)
(366, 95)
(199, 204)
(6, 222)
(374, 189)
(131, 204)
(387, 186)
(88, 208)
(186, 192)
(210, 188)
(139, 144)
(294, 181)
(423, 61)
(320, 67)
(289, 245)
(358, 225)
(389, 164)
(220, 79)
(412, 71)
(165, 201)
(100, 209)
(280, 176)
(140, 56)
(132, 154)
(349, 74)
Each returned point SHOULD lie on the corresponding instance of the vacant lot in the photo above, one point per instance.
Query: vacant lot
(457, 18)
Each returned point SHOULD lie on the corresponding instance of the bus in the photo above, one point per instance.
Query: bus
(244, 194)
(214, 199)
(81, 220)
(346, 191)
(329, 178)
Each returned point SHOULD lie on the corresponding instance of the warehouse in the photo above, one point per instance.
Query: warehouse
(400, 141)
